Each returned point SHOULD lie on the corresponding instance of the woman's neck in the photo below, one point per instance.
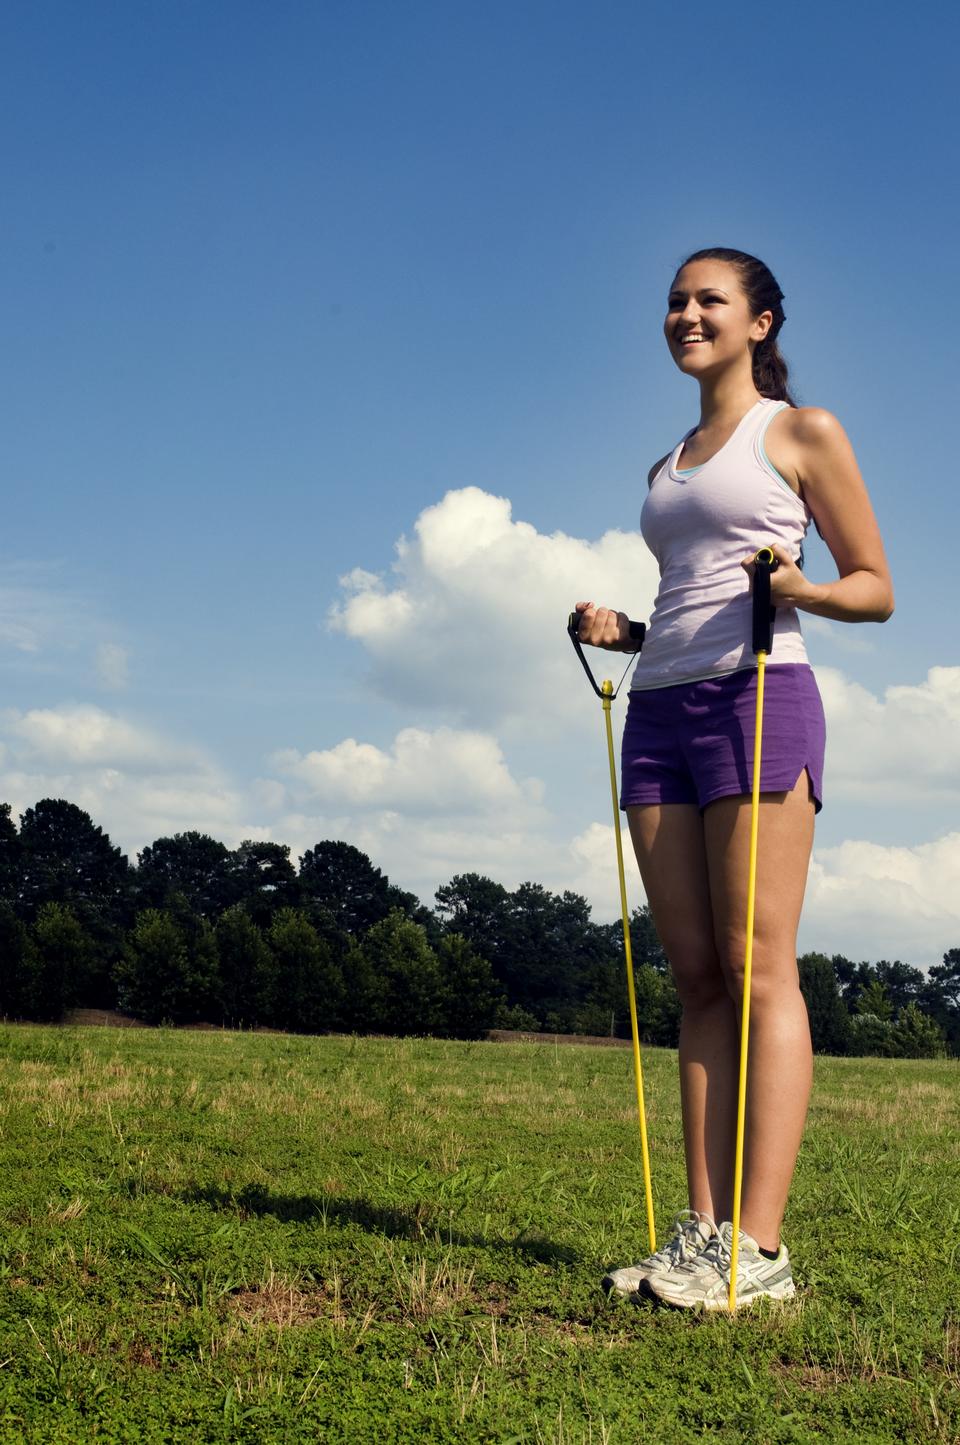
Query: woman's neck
(725, 399)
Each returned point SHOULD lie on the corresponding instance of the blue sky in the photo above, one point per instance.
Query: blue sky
(278, 280)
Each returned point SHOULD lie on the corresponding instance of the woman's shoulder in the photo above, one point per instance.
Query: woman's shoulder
(807, 425)
(804, 442)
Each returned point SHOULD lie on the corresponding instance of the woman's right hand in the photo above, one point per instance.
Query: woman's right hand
(602, 627)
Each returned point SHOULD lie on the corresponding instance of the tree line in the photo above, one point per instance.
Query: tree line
(243, 938)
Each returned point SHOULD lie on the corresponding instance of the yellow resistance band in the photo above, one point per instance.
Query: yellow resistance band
(607, 692)
(747, 974)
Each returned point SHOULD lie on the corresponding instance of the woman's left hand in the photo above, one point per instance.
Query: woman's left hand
(788, 586)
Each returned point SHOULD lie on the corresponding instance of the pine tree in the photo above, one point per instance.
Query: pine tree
(63, 962)
(309, 992)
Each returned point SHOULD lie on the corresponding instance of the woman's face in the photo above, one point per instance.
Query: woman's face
(708, 323)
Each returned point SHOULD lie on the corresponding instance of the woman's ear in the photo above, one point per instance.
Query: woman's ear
(761, 326)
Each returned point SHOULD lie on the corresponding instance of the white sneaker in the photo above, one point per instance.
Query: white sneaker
(704, 1282)
(691, 1232)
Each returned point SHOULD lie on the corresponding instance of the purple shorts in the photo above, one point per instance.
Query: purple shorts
(693, 742)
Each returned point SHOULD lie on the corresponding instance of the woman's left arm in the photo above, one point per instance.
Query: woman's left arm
(819, 455)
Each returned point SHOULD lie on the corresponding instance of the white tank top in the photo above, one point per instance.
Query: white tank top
(700, 524)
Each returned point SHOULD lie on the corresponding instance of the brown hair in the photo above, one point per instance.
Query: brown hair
(763, 294)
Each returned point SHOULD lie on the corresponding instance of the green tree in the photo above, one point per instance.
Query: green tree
(658, 1004)
(10, 856)
(829, 1020)
(852, 979)
(407, 988)
(194, 865)
(941, 997)
(915, 1036)
(63, 954)
(478, 910)
(342, 880)
(644, 940)
(164, 975)
(873, 1000)
(516, 1019)
(247, 969)
(469, 996)
(66, 858)
(901, 983)
(18, 966)
(553, 953)
(264, 879)
(361, 985)
(658, 1007)
(871, 1036)
(309, 988)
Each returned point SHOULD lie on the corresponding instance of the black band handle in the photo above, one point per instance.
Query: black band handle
(764, 563)
(638, 631)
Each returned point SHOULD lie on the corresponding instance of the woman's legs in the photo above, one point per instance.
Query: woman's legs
(780, 1054)
(671, 852)
(694, 868)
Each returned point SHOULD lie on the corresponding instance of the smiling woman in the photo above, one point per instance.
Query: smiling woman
(756, 471)
(709, 319)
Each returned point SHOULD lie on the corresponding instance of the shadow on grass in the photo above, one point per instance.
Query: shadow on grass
(420, 1222)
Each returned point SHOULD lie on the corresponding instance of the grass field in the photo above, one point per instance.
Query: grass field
(232, 1237)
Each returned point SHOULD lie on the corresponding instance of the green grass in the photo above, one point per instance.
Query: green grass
(232, 1237)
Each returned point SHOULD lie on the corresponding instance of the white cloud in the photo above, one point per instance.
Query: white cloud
(445, 770)
(82, 733)
(421, 853)
(869, 901)
(112, 666)
(439, 803)
(903, 747)
(135, 783)
(472, 618)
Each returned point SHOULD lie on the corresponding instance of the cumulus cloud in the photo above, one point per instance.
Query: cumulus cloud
(870, 901)
(903, 746)
(421, 853)
(436, 803)
(445, 770)
(134, 782)
(471, 618)
(85, 734)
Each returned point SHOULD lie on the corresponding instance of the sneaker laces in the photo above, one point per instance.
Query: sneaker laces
(684, 1243)
(719, 1254)
(712, 1255)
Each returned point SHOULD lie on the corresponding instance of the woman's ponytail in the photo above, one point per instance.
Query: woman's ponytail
(770, 370)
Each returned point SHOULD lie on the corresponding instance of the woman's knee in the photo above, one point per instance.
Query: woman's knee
(698, 978)
(773, 967)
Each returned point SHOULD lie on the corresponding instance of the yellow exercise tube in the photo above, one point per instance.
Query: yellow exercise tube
(767, 560)
(607, 698)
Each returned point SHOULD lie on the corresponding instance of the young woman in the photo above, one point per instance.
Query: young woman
(753, 473)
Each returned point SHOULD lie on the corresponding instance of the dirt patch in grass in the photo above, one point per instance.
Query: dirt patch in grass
(141, 1355)
(101, 1018)
(280, 1304)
